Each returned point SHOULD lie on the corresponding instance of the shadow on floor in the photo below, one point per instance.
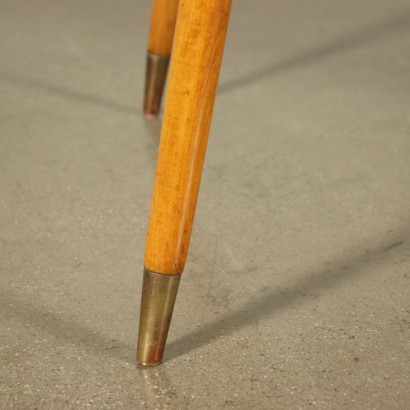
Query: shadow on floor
(65, 92)
(272, 302)
(348, 42)
(63, 328)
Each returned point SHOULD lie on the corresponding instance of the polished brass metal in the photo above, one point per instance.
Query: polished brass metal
(157, 67)
(159, 292)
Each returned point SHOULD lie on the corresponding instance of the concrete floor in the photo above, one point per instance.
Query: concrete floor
(296, 289)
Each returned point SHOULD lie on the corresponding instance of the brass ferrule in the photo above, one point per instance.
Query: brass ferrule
(159, 292)
(156, 73)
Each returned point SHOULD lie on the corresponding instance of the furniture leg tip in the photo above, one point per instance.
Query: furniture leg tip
(159, 293)
(150, 116)
(157, 67)
(149, 364)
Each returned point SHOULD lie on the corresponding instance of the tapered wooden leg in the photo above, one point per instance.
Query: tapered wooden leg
(196, 60)
(163, 18)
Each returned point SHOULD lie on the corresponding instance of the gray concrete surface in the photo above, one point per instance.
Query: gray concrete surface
(296, 290)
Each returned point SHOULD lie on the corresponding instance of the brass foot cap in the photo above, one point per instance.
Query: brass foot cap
(157, 67)
(159, 292)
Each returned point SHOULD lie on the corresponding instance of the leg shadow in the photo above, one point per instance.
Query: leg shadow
(345, 43)
(62, 328)
(67, 93)
(272, 302)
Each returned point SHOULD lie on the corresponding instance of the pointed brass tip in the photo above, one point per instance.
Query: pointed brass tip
(157, 67)
(157, 303)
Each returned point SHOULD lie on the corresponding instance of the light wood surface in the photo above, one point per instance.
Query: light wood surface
(163, 17)
(195, 64)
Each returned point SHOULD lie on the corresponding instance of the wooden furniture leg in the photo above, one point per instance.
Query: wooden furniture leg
(163, 18)
(196, 59)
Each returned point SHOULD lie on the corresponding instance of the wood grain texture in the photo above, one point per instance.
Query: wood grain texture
(163, 18)
(195, 65)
